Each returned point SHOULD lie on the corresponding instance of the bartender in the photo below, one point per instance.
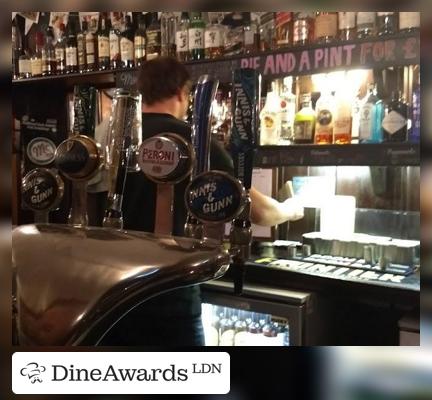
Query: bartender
(174, 318)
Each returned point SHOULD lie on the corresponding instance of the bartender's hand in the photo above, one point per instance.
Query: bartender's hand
(293, 208)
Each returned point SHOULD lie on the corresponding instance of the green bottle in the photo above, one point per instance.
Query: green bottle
(304, 122)
(196, 37)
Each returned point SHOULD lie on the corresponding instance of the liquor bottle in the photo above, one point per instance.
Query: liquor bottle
(365, 24)
(81, 46)
(303, 28)
(284, 29)
(409, 21)
(287, 110)
(371, 118)
(387, 23)
(168, 23)
(103, 43)
(140, 42)
(196, 37)
(414, 135)
(234, 36)
(395, 122)
(127, 44)
(240, 330)
(182, 37)
(251, 35)
(36, 59)
(213, 40)
(326, 24)
(324, 118)
(226, 337)
(71, 50)
(90, 45)
(347, 25)
(342, 118)
(49, 64)
(17, 49)
(24, 64)
(270, 120)
(60, 50)
(304, 121)
(153, 38)
(114, 48)
(267, 31)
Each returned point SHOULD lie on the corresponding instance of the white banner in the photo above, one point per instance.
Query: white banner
(120, 373)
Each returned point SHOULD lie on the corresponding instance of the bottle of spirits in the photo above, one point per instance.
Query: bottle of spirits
(24, 64)
(90, 43)
(196, 37)
(140, 42)
(114, 47)
(103, 43)
(213, 40)
(153, 38)
(60, 50)
(49, 64)
(234, 36)
(270, 120)
(36, 60)
(168, 34)
(414, 135)
(395, 122)
(365, 24)
(303, 28)
(17, 49)
(182, 37)
(81, 46)
(304, 122)
(347, 25)
(342, 118)
(127, 44)
(387, 23)
(409, 22)
(284, 29)
(287, 111)
(325, 107)
(71, 50)
(371, 118)
(251, 35)
(267, 31)
(326, 24)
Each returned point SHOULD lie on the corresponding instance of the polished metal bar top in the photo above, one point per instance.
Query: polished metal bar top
(73, 284)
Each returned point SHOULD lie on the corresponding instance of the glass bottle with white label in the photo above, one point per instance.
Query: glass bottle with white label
(24, 62)
(409, 22)
(213, 40)
(103, 43)
(49, 64)
(127, 44)
(365, 24)
(153, 38)
(168, 34)
(342, 118)
(36, 59)
(60, 50)
(270, 120)
(114, 47)
(90, 43)
(71, 50)
(287, 111)
(81, 47)
(387, 23)
(347, 25)
(304, 121)
(251, 35)
(325, 107)
(182, 39)
(371, 118)
(196, 37)
(326, 27)
(396, 120)
(140, 42)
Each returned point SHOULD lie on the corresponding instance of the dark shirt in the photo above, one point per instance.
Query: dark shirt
(139, 206)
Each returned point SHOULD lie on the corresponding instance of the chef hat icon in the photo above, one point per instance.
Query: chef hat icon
(33, 371)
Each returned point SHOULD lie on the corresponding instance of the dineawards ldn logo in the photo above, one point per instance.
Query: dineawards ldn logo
(121, 373)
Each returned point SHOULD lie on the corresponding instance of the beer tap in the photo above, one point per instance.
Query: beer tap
(204, 96)
(79, 157)
(246, 91)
